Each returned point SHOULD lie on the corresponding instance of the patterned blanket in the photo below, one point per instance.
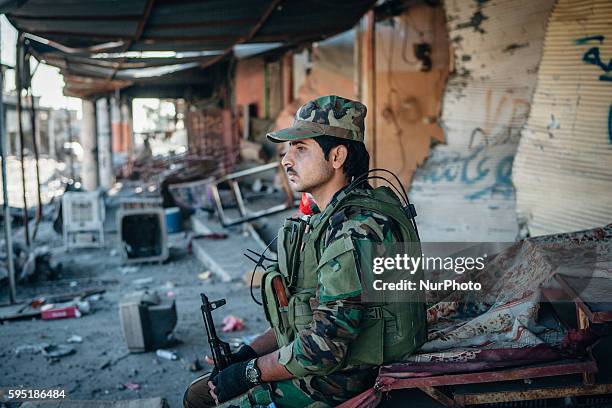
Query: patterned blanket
(498, 327)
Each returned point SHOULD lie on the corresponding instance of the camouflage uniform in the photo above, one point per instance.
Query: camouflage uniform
(322, 347)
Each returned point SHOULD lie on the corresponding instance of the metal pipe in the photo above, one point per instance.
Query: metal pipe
(18, 83)
(36, 163)
(8, 234)
(105, 156)
(266, 94)
(70, 143)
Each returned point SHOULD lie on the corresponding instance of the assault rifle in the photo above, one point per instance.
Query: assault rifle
(221, 352)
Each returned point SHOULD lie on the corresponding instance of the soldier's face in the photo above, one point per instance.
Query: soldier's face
(306, 166)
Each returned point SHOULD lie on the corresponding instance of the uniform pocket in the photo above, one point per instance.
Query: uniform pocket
(300, 313)
(277, 316)
(337, 272)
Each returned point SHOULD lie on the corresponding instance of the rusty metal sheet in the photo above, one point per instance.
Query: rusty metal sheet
(563, 168)
(497, 48)
(387, 383)
(535, 394)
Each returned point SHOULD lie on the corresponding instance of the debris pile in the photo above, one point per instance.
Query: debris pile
(68, 305)
(30, 264)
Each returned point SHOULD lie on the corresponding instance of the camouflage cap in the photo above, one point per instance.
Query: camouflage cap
(328, 115)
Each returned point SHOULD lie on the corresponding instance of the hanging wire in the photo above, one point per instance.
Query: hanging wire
(366, 176)
(259, 262)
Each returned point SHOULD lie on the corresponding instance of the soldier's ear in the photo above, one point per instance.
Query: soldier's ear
(338, 156)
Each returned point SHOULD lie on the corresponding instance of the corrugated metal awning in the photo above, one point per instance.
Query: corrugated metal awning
(563, 168)
(124, 41)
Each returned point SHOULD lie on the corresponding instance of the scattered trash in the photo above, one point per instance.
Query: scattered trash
(166, 354)
(61, 313)
(129, 269)
(60, 350)
(113, 252)
(31, 264)
(30, 348)
(37, 302)
(74, 284)
(204, 275)
(84, 306)
(108, 362)
(232, 323)
(75, 339)
(132, 386)
(192, 365)
(210, 235)
(142, 282)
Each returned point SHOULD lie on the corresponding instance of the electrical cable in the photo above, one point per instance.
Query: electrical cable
(258, 262)
(365, 176)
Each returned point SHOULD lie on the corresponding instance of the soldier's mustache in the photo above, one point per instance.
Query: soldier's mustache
(290, 171)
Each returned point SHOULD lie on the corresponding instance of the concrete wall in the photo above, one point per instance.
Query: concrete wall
(464, 192)
(249, 85)
(409, 90)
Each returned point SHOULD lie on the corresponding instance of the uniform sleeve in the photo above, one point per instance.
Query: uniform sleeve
(322, 347)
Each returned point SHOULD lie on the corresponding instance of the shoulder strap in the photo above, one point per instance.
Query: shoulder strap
(380, 200)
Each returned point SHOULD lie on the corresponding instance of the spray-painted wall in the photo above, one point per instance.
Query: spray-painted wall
(464, 192)
(563, 168)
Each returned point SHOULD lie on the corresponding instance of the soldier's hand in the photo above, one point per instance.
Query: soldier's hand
(211, 391)
(230, 383)
(245, 353)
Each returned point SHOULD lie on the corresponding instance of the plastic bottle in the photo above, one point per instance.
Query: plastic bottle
(168, 355)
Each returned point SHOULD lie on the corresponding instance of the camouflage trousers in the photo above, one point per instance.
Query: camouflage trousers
(280, 394)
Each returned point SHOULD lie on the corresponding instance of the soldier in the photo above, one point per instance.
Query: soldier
(325, 343)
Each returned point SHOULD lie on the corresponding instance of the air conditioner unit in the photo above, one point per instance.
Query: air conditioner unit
(83, 219)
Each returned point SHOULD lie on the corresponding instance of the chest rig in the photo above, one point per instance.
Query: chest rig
(389, 329)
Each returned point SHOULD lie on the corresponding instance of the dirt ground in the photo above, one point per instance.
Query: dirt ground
(101, 365)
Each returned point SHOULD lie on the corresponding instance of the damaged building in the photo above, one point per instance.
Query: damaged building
(495, 115)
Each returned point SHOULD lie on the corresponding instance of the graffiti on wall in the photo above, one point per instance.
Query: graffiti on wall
(481, 173)
(593, 57)
(502, 118)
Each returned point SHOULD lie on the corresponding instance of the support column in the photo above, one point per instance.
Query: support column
(6, 211)
(116, 128)
(369, 55)
(105, 154)
(51, 135)
(126, 126)
(89, 168)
